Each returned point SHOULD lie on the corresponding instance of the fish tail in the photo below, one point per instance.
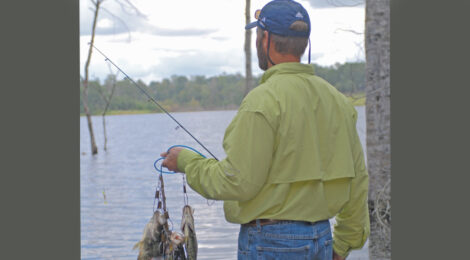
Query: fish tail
(137, 245)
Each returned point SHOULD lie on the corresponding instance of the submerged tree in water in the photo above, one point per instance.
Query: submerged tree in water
(125, 4)
(94, 148)
(109, 87)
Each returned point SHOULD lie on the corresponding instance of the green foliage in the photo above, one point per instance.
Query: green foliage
(180, 93)
(349, 78)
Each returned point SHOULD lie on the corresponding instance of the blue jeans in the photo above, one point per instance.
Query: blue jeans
(286, 240)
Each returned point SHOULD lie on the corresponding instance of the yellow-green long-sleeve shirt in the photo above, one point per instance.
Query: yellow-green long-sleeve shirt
(293, 153)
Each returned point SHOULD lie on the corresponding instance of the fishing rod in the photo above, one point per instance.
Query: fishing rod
(153, 100)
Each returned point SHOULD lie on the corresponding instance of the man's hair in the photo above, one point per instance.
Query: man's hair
(290, 45)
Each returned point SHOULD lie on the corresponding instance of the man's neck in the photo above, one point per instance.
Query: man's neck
(278, 58)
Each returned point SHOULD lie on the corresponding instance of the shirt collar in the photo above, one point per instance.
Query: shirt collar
(287, 68)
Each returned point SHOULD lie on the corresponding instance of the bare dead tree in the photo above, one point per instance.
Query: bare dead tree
(110, 86)
(337, 3)
(377, 52)
(94, 148)
(125, 5)
(354, 86)
(377, 45)
(248, 72)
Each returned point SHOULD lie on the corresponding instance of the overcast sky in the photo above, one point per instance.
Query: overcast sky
(205, 37)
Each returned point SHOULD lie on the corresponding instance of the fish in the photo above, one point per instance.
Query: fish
(189, 232)
(176, 238)
(150, 247)
(178, 253)
(176, 247)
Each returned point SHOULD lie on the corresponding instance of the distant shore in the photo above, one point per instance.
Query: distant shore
(156, 111)
(357, 100)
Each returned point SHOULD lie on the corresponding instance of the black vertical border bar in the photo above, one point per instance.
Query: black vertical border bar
(430, 129)
(39, 106)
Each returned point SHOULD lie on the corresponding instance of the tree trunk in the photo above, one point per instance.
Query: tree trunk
(249, 76)
(104, 131)
(108, 102)
(94, 148)
(377, 43)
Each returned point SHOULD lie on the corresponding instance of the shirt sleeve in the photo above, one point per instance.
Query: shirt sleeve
(248, 143)
(352, 223)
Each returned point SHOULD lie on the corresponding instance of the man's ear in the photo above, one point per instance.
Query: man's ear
(265, 40)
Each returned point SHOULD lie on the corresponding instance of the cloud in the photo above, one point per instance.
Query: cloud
(314, 57)
(131, 26)
(206, 63)
(220, 38)
(201, 63)
(179, 32)
(335, 3)
(154, 55)
(179, 51)
(114, 21)
(190, 62)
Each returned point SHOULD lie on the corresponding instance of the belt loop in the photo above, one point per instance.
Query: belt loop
(258, 225)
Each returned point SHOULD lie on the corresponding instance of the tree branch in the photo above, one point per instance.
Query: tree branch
(126, 4)
(120, 20)
(349, 30)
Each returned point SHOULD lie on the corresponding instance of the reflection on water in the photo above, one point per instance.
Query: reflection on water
(117, 187)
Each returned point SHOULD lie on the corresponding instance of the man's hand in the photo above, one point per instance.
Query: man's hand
(337, 257)
(171, 159)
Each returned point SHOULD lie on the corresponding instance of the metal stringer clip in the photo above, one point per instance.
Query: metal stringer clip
(185, 193)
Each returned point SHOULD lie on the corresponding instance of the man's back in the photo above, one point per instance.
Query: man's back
(314, 152)
(294, 159)
(293, 153)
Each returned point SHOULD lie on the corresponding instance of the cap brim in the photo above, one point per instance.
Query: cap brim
(251, 25)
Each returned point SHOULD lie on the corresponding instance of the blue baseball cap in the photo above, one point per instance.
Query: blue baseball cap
(278, 15)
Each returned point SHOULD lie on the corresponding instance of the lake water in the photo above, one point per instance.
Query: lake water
(117, 187)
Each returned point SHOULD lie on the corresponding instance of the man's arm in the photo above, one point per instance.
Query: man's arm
(352, 223)
(249, 145)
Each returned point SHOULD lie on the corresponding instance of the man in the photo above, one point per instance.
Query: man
(294, 159)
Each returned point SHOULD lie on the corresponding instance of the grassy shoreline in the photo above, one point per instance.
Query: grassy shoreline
(134, 112)
(357, 100)
(122, 112)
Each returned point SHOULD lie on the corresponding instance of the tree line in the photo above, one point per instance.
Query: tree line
(195, 93)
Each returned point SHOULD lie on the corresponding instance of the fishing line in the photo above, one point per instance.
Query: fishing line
(160, 170)
(153, 100)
